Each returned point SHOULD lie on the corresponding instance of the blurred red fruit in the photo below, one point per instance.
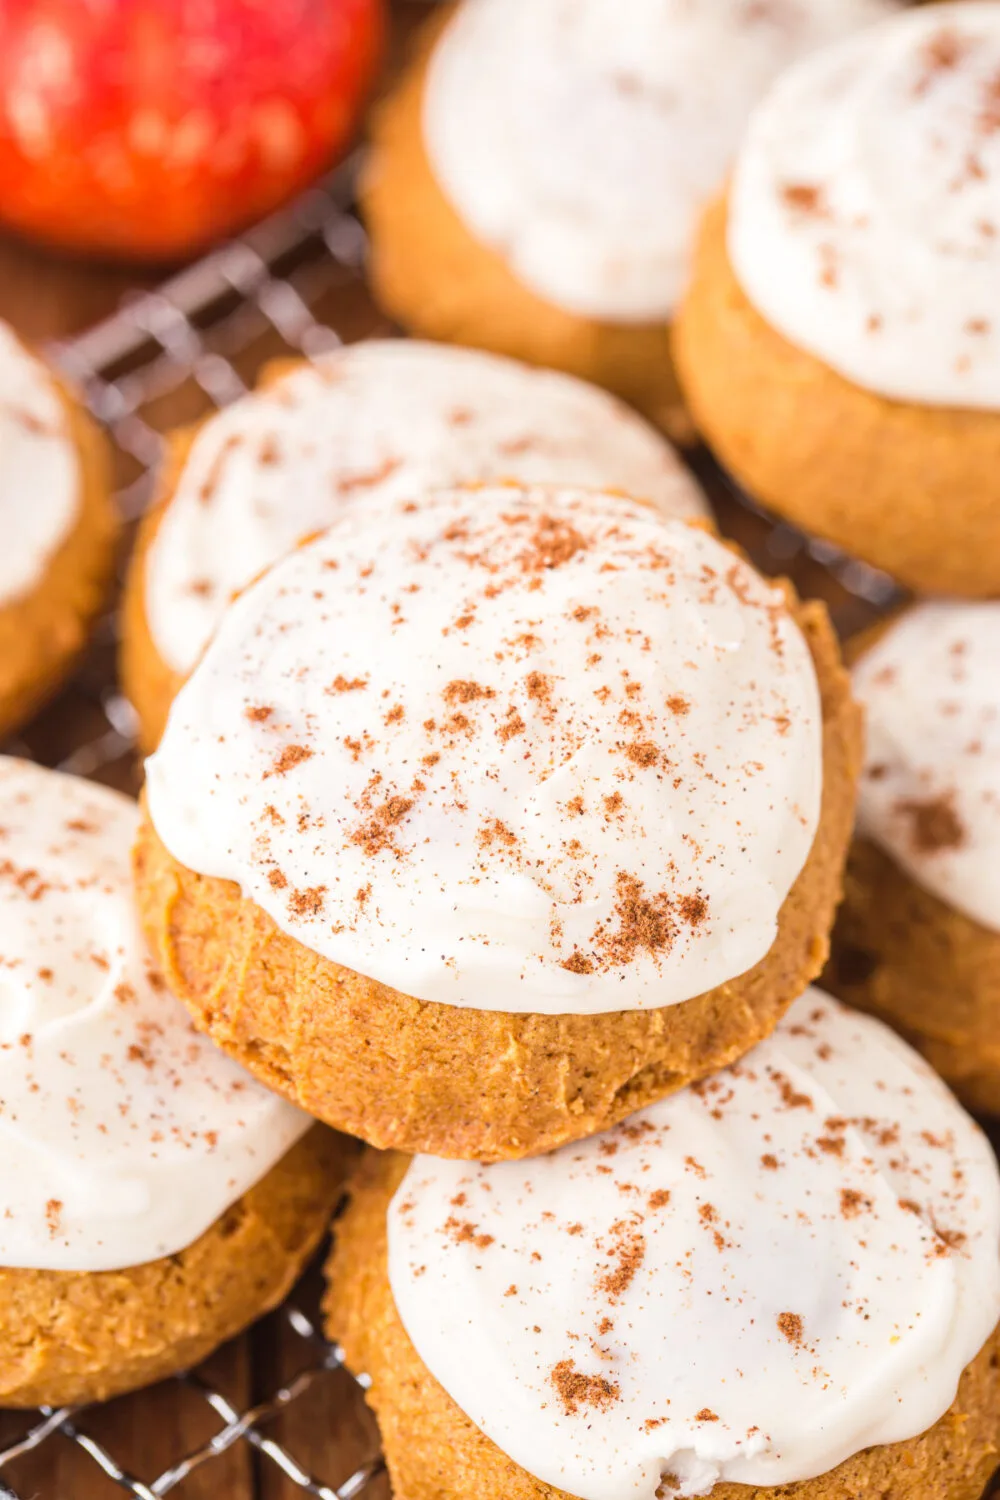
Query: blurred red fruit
(149, 128)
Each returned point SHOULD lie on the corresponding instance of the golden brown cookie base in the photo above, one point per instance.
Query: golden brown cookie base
(914, 490)
(43, 632)
(928, 970)
(434, 1452)
(69, 1337)
(439, 281)
(475, 1084)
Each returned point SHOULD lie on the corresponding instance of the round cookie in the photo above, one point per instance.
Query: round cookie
(383, 418)
(59, 529)
(782, 1282)
(917, 939)
(155, 1198)
(553, 221)
(487, 819)
(837, 345)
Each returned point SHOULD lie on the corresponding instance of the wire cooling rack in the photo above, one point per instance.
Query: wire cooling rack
(164, 357)
(275, 1416)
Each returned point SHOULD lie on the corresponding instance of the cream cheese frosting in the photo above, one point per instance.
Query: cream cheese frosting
(864, 221)
(748, 1282)
(124, 1133)
(582, 149)
(39, 469)
(380, 419)
(930, 792)
(520, 749)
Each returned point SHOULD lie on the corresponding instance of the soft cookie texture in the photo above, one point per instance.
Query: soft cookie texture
(928, 970)
(917, 940)
(155, 1198)
(554, 219)
(468, 1079)
(405, 1227)
(441, 282)
(837, 345)
(906, 487)
(385, 417)
(78, 1336)
(46, 621)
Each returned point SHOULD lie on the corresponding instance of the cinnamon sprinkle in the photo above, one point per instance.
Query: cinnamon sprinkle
(790, 1324)
(576, 1390)
(934, 824)
(290, 756)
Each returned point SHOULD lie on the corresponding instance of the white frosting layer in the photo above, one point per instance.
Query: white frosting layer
(930, 793)
(516, 749)
(865, 210)
(378, 420)
(748, 1282)
(583, 149)
(124, 1133)
(39, 469)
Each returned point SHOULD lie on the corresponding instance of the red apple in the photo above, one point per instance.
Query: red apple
(149, 128)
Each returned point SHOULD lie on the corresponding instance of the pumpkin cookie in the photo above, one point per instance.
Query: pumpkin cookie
(380, 419)
(918, 935)
(489, 817)
(783, 1282)
(155, 1198)
(59, 531)
(839, 345)
(553, 219)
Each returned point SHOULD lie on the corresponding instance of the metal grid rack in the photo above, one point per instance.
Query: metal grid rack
(193, 344)
(295, 283)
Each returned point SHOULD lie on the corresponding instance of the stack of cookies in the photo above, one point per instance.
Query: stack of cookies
(503, 826)
(497, 810)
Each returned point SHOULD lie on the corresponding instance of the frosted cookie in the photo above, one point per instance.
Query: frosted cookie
(918, 935)
(839, 345)
(536, 176)
(378, 419)
(488, 817)
(59, 530)
(155, 1198)
(784, 1281)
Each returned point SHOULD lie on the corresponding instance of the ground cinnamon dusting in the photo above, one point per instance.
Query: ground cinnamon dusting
(496, 832)
(461, 1232)
(693, 909)
(790, 1324)
(291, 755)
(628, 1251)
(934, 824)
(853, 1203)
(576, 1390)
(806, 197)
(554, 542)
(642, 753)
(461, 691)
(538, 687)
(645, 923)
(376, 834)
(307, 902)
(512, 725)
